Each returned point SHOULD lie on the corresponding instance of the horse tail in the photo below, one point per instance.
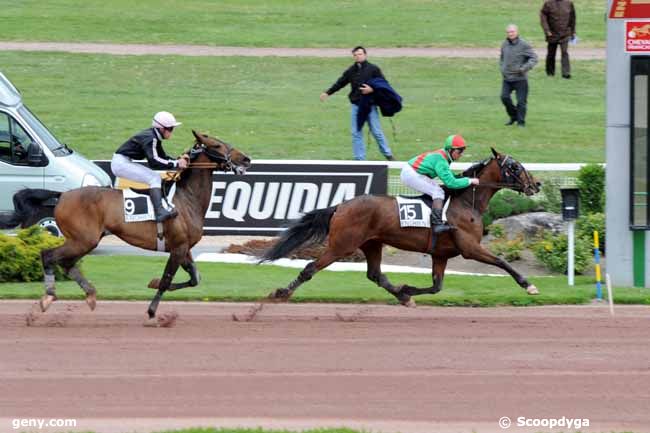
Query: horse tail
(28, 206)
(313, 227)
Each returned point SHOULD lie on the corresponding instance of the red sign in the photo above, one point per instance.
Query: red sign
(637, 36)
(630, 9)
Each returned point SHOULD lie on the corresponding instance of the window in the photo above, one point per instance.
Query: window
(640, 144)
(43, 133)
(14, 141)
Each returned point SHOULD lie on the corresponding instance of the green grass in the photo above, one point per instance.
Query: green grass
(290, 23)
(269, 107)
(224, 282)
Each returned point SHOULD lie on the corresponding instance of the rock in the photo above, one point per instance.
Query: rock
(529, 225)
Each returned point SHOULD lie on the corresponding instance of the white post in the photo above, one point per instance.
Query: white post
(571, 251)
(610, 296)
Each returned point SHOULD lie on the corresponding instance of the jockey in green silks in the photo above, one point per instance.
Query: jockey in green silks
(419, 173)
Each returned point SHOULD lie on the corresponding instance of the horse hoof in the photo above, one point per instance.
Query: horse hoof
(91, 300)
(154, 283)
(532, 290)
(280, 295)
(46, 301)
(151, 322)
(408, 303)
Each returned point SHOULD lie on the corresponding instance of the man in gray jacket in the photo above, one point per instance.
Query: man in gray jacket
(517, 58)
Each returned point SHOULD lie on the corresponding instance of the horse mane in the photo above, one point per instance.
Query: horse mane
(473, 171)
(476, 169)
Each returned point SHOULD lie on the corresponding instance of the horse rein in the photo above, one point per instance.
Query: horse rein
(205, 165)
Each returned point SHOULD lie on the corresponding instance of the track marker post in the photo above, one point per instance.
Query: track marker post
(599, 289)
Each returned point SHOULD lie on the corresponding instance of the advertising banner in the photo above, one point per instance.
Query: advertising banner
(637, 36)
(270, 195)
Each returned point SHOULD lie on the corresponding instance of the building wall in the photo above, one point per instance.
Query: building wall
(620, 248)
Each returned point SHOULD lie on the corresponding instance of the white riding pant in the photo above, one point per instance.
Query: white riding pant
(122, 166)
(420, 182)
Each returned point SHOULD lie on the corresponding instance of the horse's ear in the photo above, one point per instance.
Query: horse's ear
(494, 152)
(197, 136)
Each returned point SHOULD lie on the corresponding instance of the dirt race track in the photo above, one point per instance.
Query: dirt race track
(379, 368)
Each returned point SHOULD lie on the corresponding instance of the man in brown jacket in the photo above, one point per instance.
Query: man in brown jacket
(558, 18)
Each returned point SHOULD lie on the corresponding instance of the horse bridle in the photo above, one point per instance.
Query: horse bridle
(508, 172)
(221, 161)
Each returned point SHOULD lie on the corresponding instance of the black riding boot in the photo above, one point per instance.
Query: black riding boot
(162, 214)
(437, 224)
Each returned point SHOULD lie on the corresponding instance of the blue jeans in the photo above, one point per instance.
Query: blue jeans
(517, 113)
(358, 145)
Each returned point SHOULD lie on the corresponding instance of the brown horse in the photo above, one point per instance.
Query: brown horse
(86, 214)
(367, 222)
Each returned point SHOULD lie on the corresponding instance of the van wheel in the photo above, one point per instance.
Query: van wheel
(49, 224)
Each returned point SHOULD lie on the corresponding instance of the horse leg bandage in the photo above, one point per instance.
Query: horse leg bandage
(49, 282)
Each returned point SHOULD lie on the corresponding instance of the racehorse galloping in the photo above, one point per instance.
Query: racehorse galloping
(84, 215)
(367, 222)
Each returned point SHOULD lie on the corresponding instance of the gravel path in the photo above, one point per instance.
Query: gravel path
(378, 368)
(577, 53)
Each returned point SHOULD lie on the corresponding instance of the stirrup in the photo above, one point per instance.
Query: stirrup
(442, 228)
(164, 215)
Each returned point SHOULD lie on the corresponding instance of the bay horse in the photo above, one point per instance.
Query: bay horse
(368, 222)
(86, 214)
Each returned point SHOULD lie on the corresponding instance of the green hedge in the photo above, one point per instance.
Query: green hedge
(587, 224)
(20, 255)
(552, 249)
(591, 183)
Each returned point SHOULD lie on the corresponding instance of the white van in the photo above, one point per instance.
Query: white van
(31, 157)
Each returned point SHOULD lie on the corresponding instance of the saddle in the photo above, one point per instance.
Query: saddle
(168, 178)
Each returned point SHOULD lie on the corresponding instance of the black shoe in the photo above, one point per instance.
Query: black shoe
(566, 76)
(521, 124)
(390, 157)
(510, 122)
(162, 214)
(550, 74)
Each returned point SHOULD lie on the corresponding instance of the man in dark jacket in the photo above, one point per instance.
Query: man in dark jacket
(357, 76)
(558, 19)
(517, 58)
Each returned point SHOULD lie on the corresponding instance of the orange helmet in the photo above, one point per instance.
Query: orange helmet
(454, 142)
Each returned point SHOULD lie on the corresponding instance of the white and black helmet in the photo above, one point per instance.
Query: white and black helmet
(164, 119)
